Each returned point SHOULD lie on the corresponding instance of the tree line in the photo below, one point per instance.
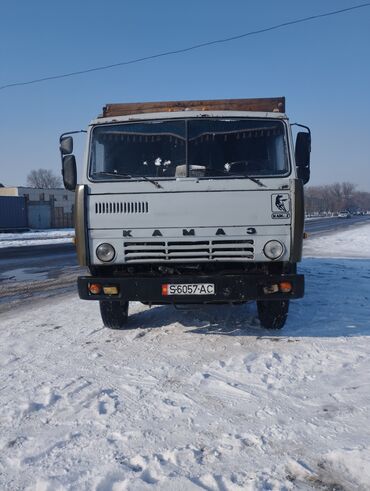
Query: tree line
(332, 198)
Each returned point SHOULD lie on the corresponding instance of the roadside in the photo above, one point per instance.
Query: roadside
(348, 243)
(14, 294)
(55, 271)
(314, 225)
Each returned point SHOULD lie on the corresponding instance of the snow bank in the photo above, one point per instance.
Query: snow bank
(36, 237)
(349, 243)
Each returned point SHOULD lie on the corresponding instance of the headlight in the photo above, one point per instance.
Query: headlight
(105, 252)
(273, 249)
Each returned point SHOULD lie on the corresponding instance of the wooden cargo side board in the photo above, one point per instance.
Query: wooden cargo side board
(274, 104)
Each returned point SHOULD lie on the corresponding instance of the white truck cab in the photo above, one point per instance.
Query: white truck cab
(190, 202)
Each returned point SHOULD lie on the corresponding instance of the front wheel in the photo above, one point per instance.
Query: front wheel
(114, 314)
(272, 313)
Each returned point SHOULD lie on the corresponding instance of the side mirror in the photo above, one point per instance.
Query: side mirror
(66, 145)
(302, 155)
(69, 172)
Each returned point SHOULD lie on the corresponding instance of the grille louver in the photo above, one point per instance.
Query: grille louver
(128, 207)
(188, 251)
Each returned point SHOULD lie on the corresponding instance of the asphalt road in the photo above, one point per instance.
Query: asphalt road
(327, 225)
(39, 262)
(40, 253)
(36, 271)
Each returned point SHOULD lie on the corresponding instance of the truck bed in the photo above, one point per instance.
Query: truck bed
(273, 104)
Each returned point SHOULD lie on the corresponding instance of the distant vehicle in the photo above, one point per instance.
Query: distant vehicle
(344, 214)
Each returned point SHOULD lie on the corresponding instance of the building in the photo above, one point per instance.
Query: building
(46, 208)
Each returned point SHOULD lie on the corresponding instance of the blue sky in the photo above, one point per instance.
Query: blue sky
(322, 67)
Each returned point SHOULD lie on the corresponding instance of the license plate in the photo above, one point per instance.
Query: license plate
(188, 289)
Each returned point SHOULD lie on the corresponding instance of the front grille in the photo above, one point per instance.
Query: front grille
(129, 207)
(188, 251)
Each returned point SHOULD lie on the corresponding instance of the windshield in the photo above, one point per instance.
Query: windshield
(206, 147)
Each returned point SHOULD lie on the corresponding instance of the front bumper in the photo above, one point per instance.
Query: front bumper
(228, 288)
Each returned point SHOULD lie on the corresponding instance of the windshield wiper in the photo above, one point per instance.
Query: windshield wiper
(130, 176)
(254, 179)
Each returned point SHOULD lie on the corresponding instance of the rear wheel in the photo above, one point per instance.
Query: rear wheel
(114, 314)
(272, 313)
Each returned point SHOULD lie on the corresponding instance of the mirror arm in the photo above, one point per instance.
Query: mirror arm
(70, 133)
(63, 135)
(302, 126)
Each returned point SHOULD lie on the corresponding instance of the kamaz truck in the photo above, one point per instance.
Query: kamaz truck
(190, 202)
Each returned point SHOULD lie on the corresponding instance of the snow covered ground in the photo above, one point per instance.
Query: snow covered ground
(352, 243)
(36, 237)
(195, 400)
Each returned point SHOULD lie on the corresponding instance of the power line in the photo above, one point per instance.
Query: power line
(189, 48)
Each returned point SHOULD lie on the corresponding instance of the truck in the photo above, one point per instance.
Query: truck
(190, 202)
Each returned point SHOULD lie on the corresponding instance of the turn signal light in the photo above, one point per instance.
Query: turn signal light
(94, 288)
(285, 286)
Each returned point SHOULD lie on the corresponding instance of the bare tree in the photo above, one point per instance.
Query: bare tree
(337, 196)
(363, 200)
(44, 179)
(348, 191)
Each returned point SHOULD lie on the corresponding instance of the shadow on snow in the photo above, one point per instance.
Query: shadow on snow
(336, 304)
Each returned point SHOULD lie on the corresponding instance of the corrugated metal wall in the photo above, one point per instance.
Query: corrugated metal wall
(13, 213)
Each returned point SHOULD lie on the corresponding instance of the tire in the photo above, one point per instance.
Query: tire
(114, 314)
(272, 313)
